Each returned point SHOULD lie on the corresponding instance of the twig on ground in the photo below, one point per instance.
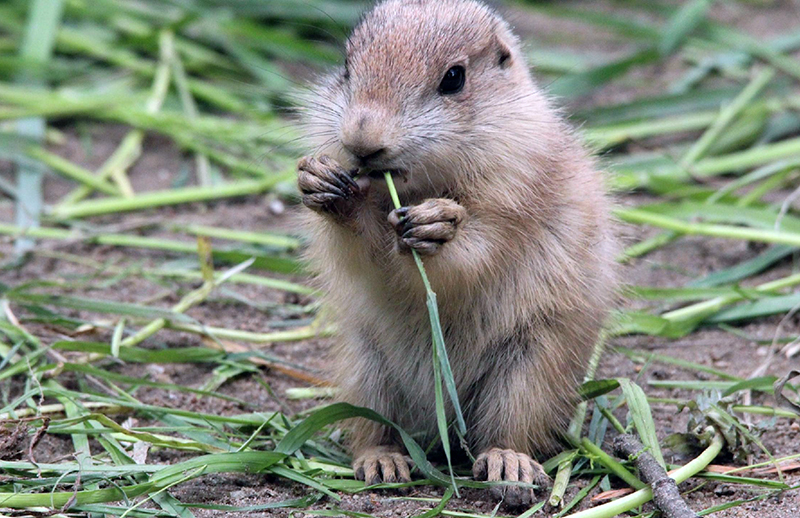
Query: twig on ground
(780, 398)
(642, 496)
(38, 437)
(666, 495)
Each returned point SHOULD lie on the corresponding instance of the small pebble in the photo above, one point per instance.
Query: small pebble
(724, 491)
(277, 207)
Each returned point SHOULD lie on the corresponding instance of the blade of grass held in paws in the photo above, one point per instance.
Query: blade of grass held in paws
(441, 364)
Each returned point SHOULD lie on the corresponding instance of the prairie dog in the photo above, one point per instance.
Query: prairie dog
(507, 210)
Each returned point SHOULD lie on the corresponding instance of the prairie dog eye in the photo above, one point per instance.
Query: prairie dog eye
(453, 81)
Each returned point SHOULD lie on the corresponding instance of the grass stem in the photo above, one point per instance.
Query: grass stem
(441, 365)
(165, 198)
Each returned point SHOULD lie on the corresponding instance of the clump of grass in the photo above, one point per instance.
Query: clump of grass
(713, 153)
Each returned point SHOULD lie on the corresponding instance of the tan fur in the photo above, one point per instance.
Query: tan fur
(506, 206)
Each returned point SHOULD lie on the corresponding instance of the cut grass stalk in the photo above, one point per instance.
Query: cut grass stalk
(658, 107)
(72, 171)
(131, 146)
(682, 321)
(57, 408)
(58, 106)
(560, 483)
(645, 217)
(202, 165)
(726, 116)
(612, 464)
(263, 261)
(607, 136)
(295, 335)
(648, 245)
(678, 362)
(241, 278)
(156, 199)
(42, 25)
(273, 240)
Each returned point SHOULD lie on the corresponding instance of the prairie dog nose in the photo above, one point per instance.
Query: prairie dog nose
(364, 137)
(365, 152)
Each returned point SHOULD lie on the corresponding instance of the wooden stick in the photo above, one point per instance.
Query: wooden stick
(666, 495)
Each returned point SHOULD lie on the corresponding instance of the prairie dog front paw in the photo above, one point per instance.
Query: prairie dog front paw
(329, 188)
(427, 226)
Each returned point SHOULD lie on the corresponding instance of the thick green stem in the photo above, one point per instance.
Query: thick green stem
(608, 461)
(710, 307)
(164, 198)
(72, 171)
(259, 238)
(726, 116)
(295, 335)
(724, 231)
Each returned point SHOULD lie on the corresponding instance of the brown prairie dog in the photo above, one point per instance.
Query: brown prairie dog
(504, 205)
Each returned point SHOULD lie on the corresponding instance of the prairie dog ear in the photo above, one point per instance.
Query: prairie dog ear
(502, 51)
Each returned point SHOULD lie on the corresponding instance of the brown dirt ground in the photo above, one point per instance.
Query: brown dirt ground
(673, 265)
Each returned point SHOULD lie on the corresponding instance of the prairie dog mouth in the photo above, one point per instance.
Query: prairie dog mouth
(379, 174)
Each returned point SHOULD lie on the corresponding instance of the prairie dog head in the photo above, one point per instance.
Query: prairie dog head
(430, 89)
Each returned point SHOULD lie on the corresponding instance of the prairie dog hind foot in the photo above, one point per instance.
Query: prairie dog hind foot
(382, 465)
(498, 465)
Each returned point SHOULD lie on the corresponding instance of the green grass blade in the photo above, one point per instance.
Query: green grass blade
(683, 23)
(642, 417)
